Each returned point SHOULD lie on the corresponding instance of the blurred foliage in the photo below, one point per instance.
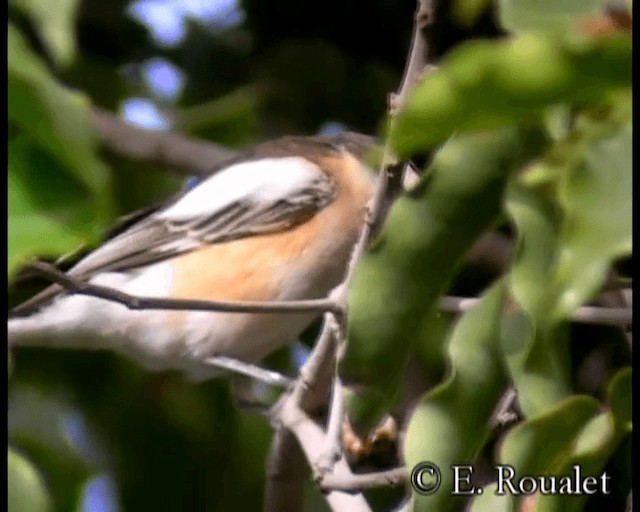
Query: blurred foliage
(564, 190)
(425, 237)
(26, 489)
(476, 377)
(530, 136)
(487, 85)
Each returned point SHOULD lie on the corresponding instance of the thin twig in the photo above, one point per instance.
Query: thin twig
(371, 217)
(418, 58)
(356, 482)
(250, 370)
(584, 314)
(135, 302)
(333, 449)
(315, 375)
(604, 316)
(312, 439)
(503, 412)
(333, 439)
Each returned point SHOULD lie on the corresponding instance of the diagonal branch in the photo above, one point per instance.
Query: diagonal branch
(311, 439)
(168, 149)
(391, 172)
(252, 371)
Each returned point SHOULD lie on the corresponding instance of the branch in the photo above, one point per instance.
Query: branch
(329, 444)
(311, 391)
(503, 413)
(286, 473)
(355, 482)
(417, 61)
(163, 148)
(314, 442)
(389, 178)
(584, 314)
(76, 286)
(311, 439)
(252, 371)
(286, 464)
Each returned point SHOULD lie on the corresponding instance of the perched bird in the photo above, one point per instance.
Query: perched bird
(277, 223)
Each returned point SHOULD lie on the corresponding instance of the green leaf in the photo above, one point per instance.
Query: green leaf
(572, 211)
(537, 220)
(468, 11)
(574, 432)
(487, 501)
(490, 84)
(399, 281)
(57, 118)
(538, 362)
(557, 121)
(459, 409)
(594, 444)
(26, 489)
(48, 210)
(619, 398)
(532, 447)
(596, 198)
(54, 22)
(523, 15)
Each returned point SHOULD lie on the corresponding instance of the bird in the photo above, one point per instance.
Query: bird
(276, 223)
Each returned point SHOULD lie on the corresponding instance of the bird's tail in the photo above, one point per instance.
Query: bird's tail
(44, 330)
(26, 331)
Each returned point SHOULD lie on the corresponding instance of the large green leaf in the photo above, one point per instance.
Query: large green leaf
(54, 22)
(48, 210)
(533, 446)
(538, 362)
(489, 84)
(427, 233)
(56, 118)
(596, 197)
(619, 399)
(573, 433)
(523, 15)
(451, 423)
(594, 444)
(59, 190)
(572, 211)
(26, 489)
(537, 220)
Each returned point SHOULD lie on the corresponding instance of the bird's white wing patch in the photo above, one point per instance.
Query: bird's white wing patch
(255, 182)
